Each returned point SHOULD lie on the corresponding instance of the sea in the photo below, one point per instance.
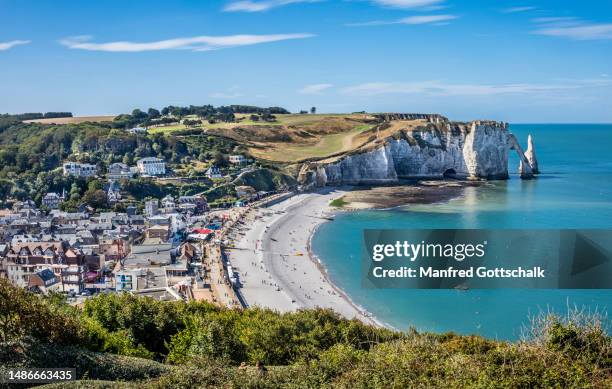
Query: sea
(574, 190)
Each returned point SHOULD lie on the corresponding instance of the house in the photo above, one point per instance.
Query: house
(238, 159)
(137, 130)
(151, 207)
(44, 281)
(79, 169)
(176, 272)
(159, 254)
(52, 200)
(214, 172)
(113, 194)
(158, 232)
(117, 171)
(186, 252)
(148, 281)
(4, 248)
(162, 220)
(151, 166)
(168, 204)
(112, 249)
(195, 204)
(26, 258)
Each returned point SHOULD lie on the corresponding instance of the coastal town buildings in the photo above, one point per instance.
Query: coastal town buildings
(137, 130)
(167, 253)
(52, 200)
(214, 172)
(151, 207)
(79, 169)
(151, 166)
(118, 171)
(238, 159)
(23, 259)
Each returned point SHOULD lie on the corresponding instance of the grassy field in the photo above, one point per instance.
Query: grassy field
(73, 120)
(167, 129)
(326, 145)
(281, 120)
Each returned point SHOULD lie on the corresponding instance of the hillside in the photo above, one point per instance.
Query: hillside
(129, 341)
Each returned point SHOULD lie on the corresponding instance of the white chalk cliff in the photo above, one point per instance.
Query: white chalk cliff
(436, 149)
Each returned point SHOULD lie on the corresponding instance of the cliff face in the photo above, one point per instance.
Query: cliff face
(434, 150)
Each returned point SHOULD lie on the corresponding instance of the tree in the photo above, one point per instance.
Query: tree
(138, 114)
(153, 113)
(96, 198)
(75, 194)
(313, 110)
(220, 159)
(5, 188)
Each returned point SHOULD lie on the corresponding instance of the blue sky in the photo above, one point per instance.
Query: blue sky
(519, 61)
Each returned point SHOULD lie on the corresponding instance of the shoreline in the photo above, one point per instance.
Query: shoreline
(317, 261)
(269, 249)
(277, 268)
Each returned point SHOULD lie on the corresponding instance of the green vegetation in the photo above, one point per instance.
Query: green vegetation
(266, 180)
(339, 202)
(31, 156)
(146, 343)
(173, 115)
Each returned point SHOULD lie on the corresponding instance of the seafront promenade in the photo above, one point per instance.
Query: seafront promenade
(214, 255)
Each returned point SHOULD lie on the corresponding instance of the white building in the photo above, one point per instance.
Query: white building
(214, 172)
(52, 200)
(168, 204)
(137, 130)
(151, 166)
(128, 279)
(117, 171)
(238, 159)
(151, 207)
(79, 169)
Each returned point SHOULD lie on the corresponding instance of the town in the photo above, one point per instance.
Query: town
(172, 250)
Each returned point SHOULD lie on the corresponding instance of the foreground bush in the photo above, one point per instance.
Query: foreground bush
(203, 345)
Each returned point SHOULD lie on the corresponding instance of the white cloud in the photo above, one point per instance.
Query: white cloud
(412, 20)
(438, 88)
(513, 10)
(572, 28)
(198, 43)
(314, 89)
(259, 6)
(407, 4)
(560, 19)
(427, 19)
(11, 44)
(580, 32)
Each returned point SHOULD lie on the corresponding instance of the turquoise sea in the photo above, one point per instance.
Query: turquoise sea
(573, 191)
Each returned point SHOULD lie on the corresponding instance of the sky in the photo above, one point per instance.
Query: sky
(519, 61)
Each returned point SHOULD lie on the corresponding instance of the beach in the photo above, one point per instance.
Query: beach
(276, 269)
(270, 247)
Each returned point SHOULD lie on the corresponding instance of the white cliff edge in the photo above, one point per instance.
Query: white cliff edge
(476, 150)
